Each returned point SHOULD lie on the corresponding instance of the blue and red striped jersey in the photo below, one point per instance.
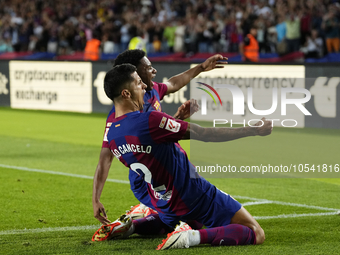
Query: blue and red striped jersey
(152, 102)
(147, 144)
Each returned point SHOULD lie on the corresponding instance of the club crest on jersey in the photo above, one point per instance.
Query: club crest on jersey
(157, 106)
(162, 124)
(172, 126)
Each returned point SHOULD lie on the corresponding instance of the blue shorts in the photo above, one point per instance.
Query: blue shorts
(213, 208)
(219, 209)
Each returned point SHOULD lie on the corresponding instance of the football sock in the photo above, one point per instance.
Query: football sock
(233, 234)
(150, 225)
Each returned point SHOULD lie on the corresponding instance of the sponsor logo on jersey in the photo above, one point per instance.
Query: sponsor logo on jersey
(157, 106)
(118, 125)
(172, 126)
(109, 124)
(162, 124)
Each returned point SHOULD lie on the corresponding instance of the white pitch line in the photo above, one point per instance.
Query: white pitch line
(59, 173)
(306, 206)
(42, 230)
(93, 227)
(249, 198)
(257, 203)
(282, 216)
(287, 203)
(127, 182)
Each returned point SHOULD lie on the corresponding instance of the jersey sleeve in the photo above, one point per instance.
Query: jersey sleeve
(109, 120)
(105, 143)
(161, 89)
(164, 128)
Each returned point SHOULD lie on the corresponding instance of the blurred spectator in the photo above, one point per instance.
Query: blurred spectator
(331, 26)
(293, 33)
(169, 35)
(156, 44)
(108, 45)
(314, 45)
(281, 29)
(249, 49)
(262, 10)
(125, 36)
(231, 34)
(92, 50)
(33, 43)
(271, 37)
(179, 36)
(5, 45)
(261, 34)
(137, 41)
(65, 26)
(190, 39)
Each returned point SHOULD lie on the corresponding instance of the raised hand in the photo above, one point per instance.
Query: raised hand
(216, 61)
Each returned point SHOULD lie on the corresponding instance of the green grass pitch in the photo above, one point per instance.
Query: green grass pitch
(47, 160)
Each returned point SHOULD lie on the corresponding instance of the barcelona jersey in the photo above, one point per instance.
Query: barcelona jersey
(152, 100)
(160, 173)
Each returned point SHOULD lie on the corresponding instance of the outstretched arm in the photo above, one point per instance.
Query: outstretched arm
(197, 132)
(176, 82)
(102, 171)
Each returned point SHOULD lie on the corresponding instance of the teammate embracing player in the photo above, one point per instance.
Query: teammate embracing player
(154, 94)
(146, 143)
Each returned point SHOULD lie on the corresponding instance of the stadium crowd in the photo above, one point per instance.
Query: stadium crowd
(64, 26)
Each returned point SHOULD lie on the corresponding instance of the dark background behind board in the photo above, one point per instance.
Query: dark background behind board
(168, 70)
(98, 67)
(4, 70)
(317, 121)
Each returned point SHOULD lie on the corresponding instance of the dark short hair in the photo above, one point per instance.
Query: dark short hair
(117, 79)
(132, 57)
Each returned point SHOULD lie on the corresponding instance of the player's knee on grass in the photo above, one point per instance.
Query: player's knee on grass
(260, 236)
(243, 217)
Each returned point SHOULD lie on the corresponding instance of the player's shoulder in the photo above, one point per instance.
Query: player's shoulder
(160, 119)
(157, 114)
(158, 85)
(160, 88)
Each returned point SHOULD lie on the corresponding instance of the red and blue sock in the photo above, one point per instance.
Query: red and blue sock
(233, 234)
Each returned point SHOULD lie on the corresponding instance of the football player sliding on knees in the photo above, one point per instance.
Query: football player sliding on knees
(155, 92)
(162, 177)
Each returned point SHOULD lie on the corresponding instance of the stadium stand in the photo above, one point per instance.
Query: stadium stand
(171, 28)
